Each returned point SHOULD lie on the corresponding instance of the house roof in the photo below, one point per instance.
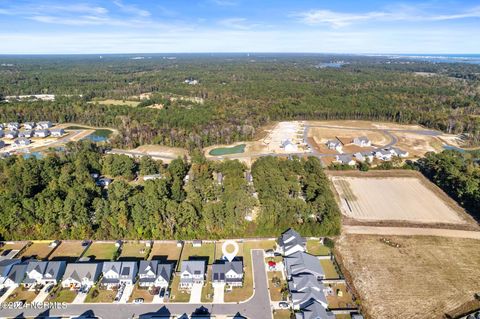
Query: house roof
(38, 266)
(114, 266)
(196, 267)
(6, 264)
(290, 238)
(303, 263)
(344, 159)
(333, 142)
(219, 270)
(315, 311)
(17, 273)
(361, 139)
(147, 266)
(79, 271)
(128, 270)
(54, 269)
(165, 271)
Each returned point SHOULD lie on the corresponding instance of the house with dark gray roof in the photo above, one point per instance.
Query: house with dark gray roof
(345, 160)
(314, 310)
(306, 288)
(25, 134)
(153, 273)
(301, 263)
(334, 145)
(53, 272)
(57, 132)
(111, 274)
(44, 125)
(81, 274)
(29, 125)
(362, 141)
(41, 133)
(291, 242)
(11, 134)
(192, 272)
(128, 272)
(15, 276)
(226, 272)
(34, 273)
(5, 267)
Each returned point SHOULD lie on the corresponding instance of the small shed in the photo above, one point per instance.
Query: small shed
(118, 243)
(54, 244)
(197, 243)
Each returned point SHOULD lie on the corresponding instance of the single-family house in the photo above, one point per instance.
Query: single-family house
(81, 275)
(228, 272)
(345, 160)
(291, 242)
(104, 182)
(128, 272)
(41, 133)
(362, 141)
(111, 274)
(314, 310)
(305, 288)
(53, 272)
(14, 126)
(15, 276)
(153, 273)
(398, 152)
(289, 147)
(152, 177)
(34, 273)
(44, 125)
(368, 156)
(29, 125)
(57, 132)
(192, 272)
(2, 144)
(5, 267)
(26, 134)
(334, 145)
(22, 141)
(302, 263)
(2, 133)
(359, 157)
(383, 155)
(11, 134)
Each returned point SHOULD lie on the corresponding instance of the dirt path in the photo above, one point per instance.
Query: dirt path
(410, 231)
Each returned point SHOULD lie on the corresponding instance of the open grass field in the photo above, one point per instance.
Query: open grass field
(21, 294)
(218, 249)
(315, 248)
(133, 251)
(411, 199)
(68, 251)
(38, 250)
(101, 251)
(206, 252)
(165, 251)
(425, 277)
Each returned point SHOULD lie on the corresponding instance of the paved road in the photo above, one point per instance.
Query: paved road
(140, 154)
(410, 231)
(256, 307)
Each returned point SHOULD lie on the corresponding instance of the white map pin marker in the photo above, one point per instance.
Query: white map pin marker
(230, 255)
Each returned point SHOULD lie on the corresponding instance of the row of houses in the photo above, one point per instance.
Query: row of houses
(385, 154)
(15, 126)
(337, 145)
(304, 274)
(41, 133)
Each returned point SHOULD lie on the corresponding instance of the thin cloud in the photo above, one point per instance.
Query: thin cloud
(225, 3)
(237, 23)
(342, 19)
(131, 9)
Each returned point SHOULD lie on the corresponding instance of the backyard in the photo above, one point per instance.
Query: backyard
(68, 251)
(329, 269)
(38, 250)
(101, 251)
(314, 247)
(206, 252)
(133, 251)
(165, 251)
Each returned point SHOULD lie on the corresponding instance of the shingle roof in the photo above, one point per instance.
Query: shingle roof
(303, 263)
(78, 271)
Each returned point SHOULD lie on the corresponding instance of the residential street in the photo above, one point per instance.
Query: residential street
(256, 307)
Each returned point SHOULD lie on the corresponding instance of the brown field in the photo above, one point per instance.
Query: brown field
(425, 278)
(18, 245)
(367, 124)
(68, 251)
(159, 150)
(418, 144)
(133, 251)
(165, 251)
(323, 134)
(409, 198)
(117, 102)
(38, 250)
(140, 293)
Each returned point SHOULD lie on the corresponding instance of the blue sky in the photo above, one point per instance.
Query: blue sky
(134, 26)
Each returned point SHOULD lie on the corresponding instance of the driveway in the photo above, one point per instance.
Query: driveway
(218, 293)
(126, 293)
(43, 294)
(256, 307)
(7, 293)
(80, 298)
(196, 293)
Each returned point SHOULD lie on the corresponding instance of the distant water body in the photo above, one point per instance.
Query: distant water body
(438, 58)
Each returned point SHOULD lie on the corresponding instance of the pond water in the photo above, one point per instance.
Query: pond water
(100, 135)
(37, 155)
(228, 150)
(453, 148)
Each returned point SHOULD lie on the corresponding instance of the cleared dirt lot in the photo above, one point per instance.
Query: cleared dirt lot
(424, 278)
(389, 198)
(322, 134)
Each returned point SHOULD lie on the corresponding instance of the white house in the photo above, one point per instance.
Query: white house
(398, 152)
(21, 141)
(43, 272)
(29, 125)
(14, 126)
(42, 133)
(58, 132)
(26, 134)
(11, 134)
(152, 177)
(345, 160)
(5, 268)
(291, 242)
(53, 272)
(383, 155)
(15, 276)
(44, 125)
(334, 145)
(192, 272)
(152, 273)
(111, 274)
(128, 272)
(81, 275)
(362, 141)
(226, 272)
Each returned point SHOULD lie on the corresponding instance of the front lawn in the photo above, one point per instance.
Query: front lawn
(207, 291)
(21, 294)
(64, 295)
(276, 289)
(177, 295)
(100, 295)
(282, 314)
(141, 293)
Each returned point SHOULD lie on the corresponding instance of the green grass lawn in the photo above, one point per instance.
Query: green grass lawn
(329, 269)
(207, 291)
(102, 296)
(133, 250)
(101, 251)
(165, 251)
(282, 314)
(207, 250)
(21, 293)
(176, 294)
(64, 295)
(315, 248)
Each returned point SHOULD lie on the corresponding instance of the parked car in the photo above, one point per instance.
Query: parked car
(138, 301)
(85, 243)
(49, 288)
(167, 293)
(161, 294)
(283, 305)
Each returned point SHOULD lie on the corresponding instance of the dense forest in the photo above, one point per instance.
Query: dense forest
(458, 174)
(239, 94)
(57, 197)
